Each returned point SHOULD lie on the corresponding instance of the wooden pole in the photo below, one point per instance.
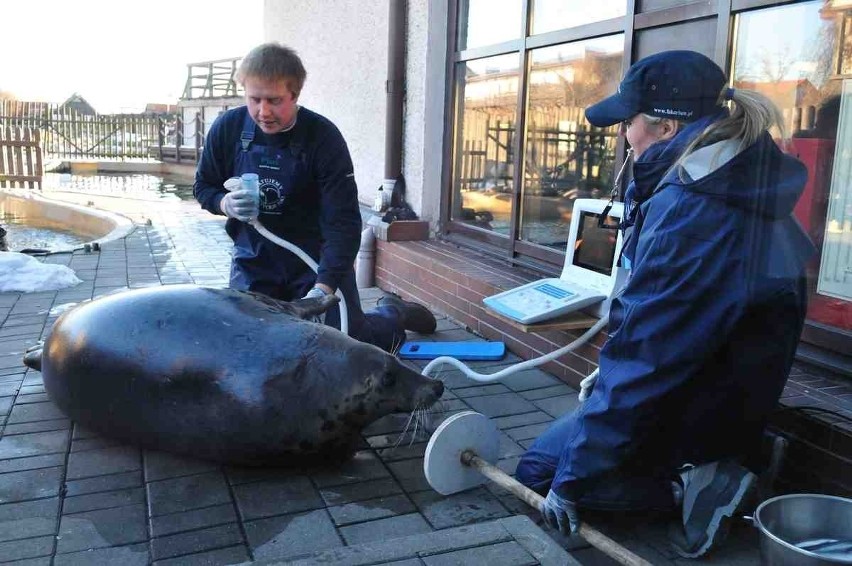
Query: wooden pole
(534, 500)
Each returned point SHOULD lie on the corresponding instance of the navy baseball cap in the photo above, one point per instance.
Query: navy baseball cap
(683, 85)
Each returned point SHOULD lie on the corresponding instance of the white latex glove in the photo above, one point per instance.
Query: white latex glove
(559, 513)
(315, 293)
(239, 204)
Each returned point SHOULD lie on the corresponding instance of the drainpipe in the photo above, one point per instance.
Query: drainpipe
(395, 87)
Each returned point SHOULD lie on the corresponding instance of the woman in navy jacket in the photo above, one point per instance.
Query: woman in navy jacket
(702, 337)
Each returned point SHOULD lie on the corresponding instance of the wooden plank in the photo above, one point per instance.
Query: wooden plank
(27, 169)
(2, 157)
(20, 178)
(10, 161)
(19, 161)
(39, 162)
(570, 321)
(17, 143)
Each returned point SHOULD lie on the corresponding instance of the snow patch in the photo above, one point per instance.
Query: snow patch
(20, 272)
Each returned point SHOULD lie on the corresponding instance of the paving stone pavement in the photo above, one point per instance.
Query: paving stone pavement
(69, 496)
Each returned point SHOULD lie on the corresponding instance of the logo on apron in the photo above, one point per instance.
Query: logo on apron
(270, 163)
(272, 196)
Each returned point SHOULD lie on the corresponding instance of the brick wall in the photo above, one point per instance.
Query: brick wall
(453, 281)
(810, 416)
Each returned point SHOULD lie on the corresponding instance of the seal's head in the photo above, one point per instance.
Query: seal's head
(369, 382)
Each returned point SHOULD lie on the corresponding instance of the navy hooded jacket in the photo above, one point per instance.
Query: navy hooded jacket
(703, 335)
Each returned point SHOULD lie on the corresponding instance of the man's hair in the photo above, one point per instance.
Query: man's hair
(273, 61)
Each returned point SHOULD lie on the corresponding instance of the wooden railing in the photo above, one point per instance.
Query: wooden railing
(21, 162)
(212, 79)
(172, 141)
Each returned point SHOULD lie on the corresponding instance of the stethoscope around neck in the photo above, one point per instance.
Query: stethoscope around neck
(602, 223)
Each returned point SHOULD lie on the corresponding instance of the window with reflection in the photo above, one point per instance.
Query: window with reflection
(566, 158)
(551, 15)
(482, 183)
(486, 22)
(798, 55)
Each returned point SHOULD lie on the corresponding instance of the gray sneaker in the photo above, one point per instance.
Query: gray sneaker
(712, 494)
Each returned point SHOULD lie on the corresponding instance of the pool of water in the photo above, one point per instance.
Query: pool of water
(129, 186)
(20, 236)
(134, 195)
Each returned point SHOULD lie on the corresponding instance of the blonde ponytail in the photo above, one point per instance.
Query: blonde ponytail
(752, 114)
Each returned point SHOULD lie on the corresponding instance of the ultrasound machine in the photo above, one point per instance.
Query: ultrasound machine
(589, 278)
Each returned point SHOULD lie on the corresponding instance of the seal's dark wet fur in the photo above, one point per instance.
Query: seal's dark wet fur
(224, 375)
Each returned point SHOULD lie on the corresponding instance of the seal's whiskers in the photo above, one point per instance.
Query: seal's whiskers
(411, 418)
(426, 418)
(416, 414)
(421, 417)
(396, 345)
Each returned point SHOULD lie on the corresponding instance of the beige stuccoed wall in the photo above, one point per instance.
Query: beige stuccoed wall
(423, 128)
(343, 44)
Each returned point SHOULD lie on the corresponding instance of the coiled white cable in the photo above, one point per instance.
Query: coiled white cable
(344, 314)
(585, 385)
(233, 184)
(482, 377)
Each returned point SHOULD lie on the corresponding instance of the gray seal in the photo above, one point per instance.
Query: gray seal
(224, 375)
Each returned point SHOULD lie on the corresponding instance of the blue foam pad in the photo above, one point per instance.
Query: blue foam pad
(458, 350)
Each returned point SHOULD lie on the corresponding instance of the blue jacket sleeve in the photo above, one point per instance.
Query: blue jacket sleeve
(684, 296)
(340, 216)
(215, 167)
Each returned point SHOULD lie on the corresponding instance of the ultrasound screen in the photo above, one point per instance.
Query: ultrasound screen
(595, 246)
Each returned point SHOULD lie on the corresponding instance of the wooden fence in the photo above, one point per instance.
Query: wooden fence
(67, 134)
(20, 158)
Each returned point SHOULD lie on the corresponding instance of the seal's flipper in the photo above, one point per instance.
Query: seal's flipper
(307, 308)
(32, 359)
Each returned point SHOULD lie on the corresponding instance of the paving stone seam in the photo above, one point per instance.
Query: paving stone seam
(237, 513)
(151, 247)
(17, 393)
(107, 508)
(190, 553)
(62, 491)
(204, 527)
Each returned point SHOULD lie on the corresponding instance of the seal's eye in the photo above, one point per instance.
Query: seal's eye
(388, 380)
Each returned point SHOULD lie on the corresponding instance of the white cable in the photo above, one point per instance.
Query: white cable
(344, 314)
(482, 377)
(586, 385)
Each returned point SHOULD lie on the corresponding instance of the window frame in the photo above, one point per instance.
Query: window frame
(544, 259)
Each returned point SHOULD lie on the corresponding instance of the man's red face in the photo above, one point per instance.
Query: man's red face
(271, 103)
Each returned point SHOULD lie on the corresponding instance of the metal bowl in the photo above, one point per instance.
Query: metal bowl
(805, 529)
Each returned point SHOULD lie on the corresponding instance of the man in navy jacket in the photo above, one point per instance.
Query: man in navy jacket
(308, 197)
